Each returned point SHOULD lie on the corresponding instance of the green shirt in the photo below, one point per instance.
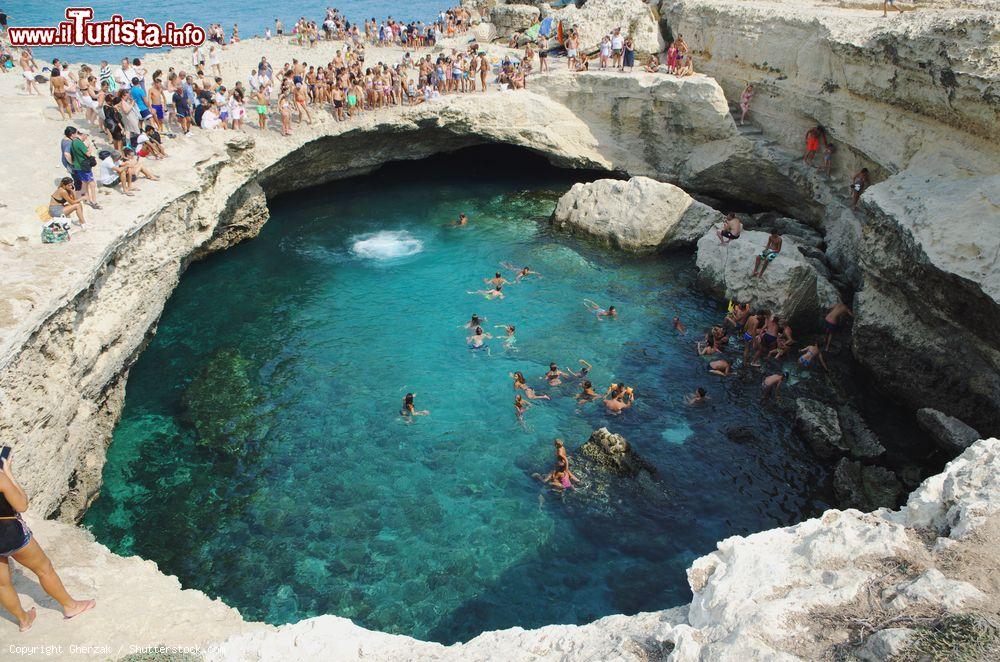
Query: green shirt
(78, 152)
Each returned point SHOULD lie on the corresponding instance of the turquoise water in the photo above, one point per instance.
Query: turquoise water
(261, 457)
(251, 15)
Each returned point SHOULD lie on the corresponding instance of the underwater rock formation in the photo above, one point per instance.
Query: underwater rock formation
(612, 452)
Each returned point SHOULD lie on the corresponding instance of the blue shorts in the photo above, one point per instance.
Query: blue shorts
(14, 536)
(159, 111)
(144, 113)
(85, 175)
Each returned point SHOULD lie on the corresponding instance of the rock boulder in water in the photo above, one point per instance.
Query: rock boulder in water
(947, 432)
(830, 432)
(219, 403)
(612, 452)
(640, 215)
(865, 488)
(792, 288)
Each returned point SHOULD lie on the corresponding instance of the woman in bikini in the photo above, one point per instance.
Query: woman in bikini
(58, 86)
(521, 384)
(810, 354)
(554, 375)
(495, 293)
(18, 543)
(63, 202)
(562, 458)
(408, 409)
(745, 100)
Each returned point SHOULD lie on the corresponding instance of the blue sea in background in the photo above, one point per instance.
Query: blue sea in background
(252, 16)
(261, 458)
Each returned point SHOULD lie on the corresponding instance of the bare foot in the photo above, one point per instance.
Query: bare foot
(27, 623)
(80, 607)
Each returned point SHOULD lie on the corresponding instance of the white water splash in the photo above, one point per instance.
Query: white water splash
(385, 245)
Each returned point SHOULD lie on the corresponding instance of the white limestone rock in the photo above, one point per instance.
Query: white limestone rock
(791, 288)
(508, 19)
(883, 644)
(933, 589)
(960, 498)
(599, 17)
(638, 215)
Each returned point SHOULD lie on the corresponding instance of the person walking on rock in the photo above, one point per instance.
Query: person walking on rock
(17, 542)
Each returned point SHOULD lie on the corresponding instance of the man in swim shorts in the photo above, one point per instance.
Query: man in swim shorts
(731, 229)
(831, 323)
(768, 255)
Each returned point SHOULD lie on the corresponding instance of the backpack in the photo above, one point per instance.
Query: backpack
(54, 233)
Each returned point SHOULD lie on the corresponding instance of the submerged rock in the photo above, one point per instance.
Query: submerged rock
(792, 288)
(865, 488)
(639, 215)
(220, 402)
(947, 432)
(612, 452)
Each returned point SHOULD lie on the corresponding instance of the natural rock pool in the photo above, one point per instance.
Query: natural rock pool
(262, 459)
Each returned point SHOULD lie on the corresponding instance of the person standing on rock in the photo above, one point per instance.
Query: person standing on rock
(572, 50)
(813, 138)
(745, 100)
(628, 55)
(831, 323)
(859, 183)
(17, 542)
(617, 46)
(768, 255)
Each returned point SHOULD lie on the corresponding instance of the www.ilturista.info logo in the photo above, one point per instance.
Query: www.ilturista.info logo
(79, 30)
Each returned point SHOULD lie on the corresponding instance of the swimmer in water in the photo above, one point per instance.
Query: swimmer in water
(521, 272)
(699, 396)
(619, 398)
(408, 409)
(478, 340)
(584, 371)
(720, 368)
(679, 326)
(600, 312)
(587, 393)
(559, 478)
(520, 406)
(554, 375)
(563, 458)
(497, 280)
(495, 293)
(509, 339)
(772, 385)
(474, 322)
(462, 221)
(707, 347)
(519, 383)
(810, 354)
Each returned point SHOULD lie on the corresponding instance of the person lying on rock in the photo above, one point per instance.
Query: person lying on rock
(18, 543)
(767, 256)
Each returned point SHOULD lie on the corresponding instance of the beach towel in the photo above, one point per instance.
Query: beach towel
(532, 32)
(545, 27)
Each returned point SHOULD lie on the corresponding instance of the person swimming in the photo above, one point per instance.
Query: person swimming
(520, 272)
(462, 221)
(619, 398)
(520, 406)
(520, 383)
(509, 338)
(554, 375)
(474, 322)
(720, 367)
(559, 478)
(496, 281)
(679, 326)
(584, 371)
(408, 408)
(587, 393)
(478, 339)
(699, 396)
(495, 293)
(600, 312)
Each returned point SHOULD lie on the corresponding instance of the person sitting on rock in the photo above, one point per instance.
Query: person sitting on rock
(772, 385)
(767, 256)
(785, 340)
(730, 230)
(809, 354)
(559, 478)
(737, 317)
(653, 64)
